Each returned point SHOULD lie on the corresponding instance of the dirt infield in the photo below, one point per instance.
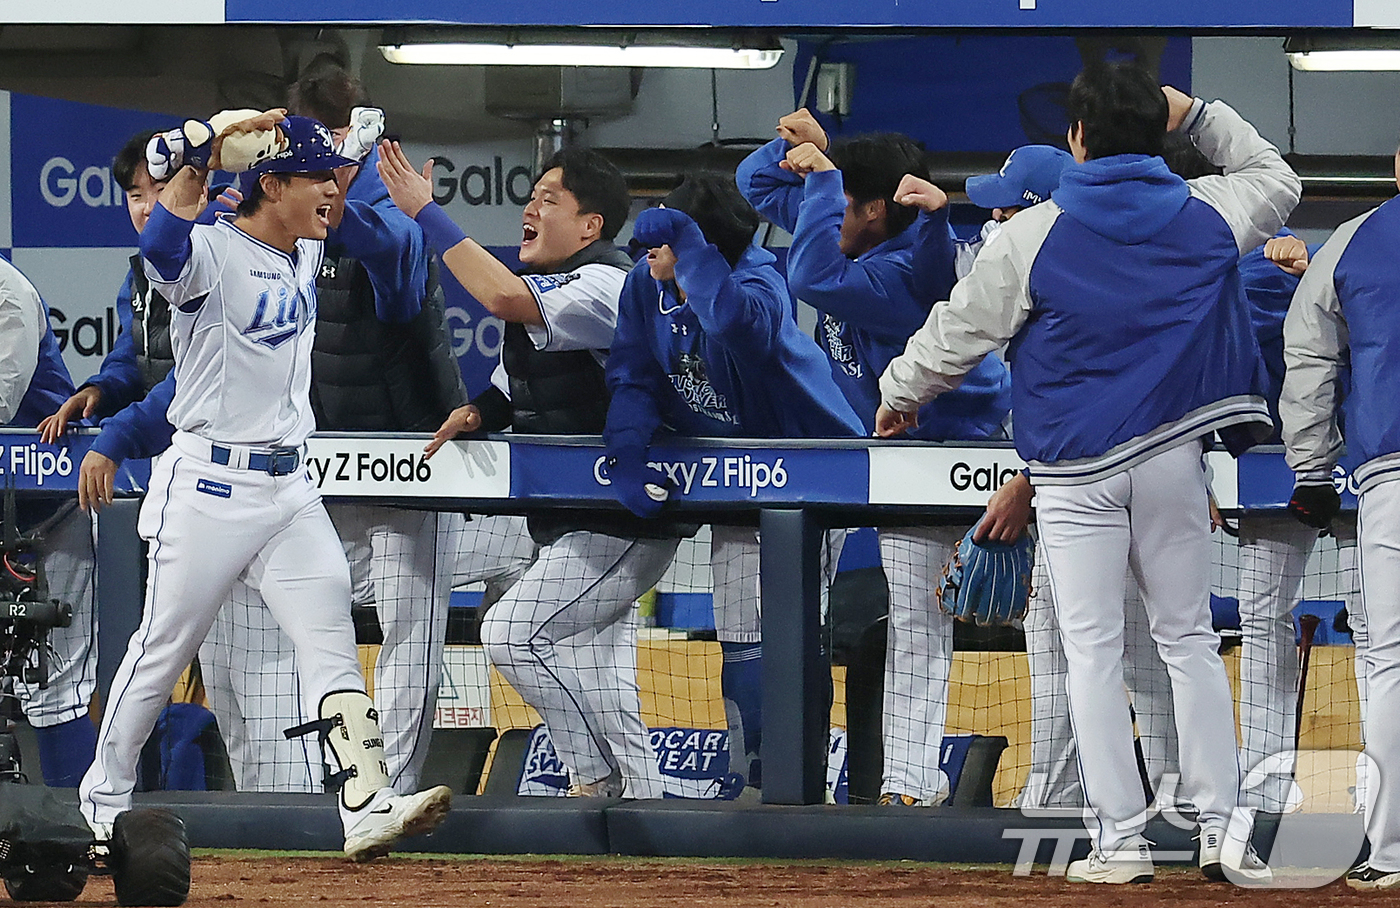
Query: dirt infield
(420, 882)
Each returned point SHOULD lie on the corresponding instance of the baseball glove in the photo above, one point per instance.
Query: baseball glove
(987, 583)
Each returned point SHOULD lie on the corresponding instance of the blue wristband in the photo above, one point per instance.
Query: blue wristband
(441, 232)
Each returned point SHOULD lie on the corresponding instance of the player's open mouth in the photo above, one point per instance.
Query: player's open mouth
(324, 213)
(527, 233)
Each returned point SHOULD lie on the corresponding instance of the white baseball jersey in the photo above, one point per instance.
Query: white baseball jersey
(239, 316)
(579, 311)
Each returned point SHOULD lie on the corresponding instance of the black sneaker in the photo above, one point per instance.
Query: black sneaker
(1364, 876)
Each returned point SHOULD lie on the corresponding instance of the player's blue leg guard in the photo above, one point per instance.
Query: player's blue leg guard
(741, 684)
(66, 751)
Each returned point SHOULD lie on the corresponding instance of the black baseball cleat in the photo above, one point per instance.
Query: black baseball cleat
(1364, 876)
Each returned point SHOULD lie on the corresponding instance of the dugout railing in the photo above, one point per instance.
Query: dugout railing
(797, 489)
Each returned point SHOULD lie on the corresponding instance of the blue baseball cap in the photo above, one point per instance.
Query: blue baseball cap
(310, 148)
(1031, 173)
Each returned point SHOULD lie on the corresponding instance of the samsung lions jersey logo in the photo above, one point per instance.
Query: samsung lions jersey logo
(693, 385)
(841, 353)
(274, 318)
(543, 283)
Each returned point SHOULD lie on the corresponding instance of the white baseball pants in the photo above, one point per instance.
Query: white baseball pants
(1273, 552)
(1053, 779)
(1152, 519)
(207, 524)
(565, 638)
(1378, 557)
(918, 660)
(69, 556)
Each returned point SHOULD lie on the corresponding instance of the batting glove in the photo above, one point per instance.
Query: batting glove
(1315, 503)
(640, 487)
(657, 227)
(366, 127)
(165, 154)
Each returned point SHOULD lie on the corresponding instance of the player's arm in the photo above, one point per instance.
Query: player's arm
(114, 386)
(774, 192)
(737, 309)
(387, 242)
(1008, 511)
(165, 243)
(139, 430)
(935, 250)
(763, 178)
(1315, 344)
(504, 294)
(874, 295)
(634, 376)
(984, 311)
(1258, 190)
(20, 333)
(636, 382)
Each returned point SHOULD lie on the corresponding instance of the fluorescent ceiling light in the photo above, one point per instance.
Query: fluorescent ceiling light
(640, 55)
(1368, 59)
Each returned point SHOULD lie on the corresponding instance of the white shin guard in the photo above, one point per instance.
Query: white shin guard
(349, 730)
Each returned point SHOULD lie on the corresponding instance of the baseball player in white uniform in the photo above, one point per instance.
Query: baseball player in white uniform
(1343, 313)
(382, 362)
(565, 635)
(232, 496)
(1130, 343)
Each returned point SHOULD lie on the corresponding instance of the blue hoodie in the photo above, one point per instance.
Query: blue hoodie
(1092, 375)
(729, 361)
(870, 305)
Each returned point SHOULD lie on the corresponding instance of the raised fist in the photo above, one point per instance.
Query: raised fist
(1288, 252)
(920, 193)
(805, 159)
(366, 128)
(800, 127)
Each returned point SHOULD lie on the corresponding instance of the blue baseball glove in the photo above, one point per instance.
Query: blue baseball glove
(988, 583)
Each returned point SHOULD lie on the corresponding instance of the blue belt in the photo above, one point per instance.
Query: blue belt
(277, 462)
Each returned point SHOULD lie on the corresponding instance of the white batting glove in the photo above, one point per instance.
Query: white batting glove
(165, 154)
(366, 128)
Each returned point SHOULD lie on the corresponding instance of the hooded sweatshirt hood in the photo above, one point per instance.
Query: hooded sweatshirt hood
(1127, 198)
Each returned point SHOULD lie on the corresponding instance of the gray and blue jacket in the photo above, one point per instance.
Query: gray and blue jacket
(1122, 301)
(1344, 312)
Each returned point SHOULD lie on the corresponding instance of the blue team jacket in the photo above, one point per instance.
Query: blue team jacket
(1367, 284)
(1094, 376)
(871, 305)
(729, 361)
(1269, 289)
(119, 379)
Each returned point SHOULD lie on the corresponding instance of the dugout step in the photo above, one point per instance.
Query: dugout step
(692, 828)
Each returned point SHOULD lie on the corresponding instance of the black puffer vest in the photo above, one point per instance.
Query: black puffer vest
(373, 376)
(560, 392)
(564, 393)
(150, 328)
